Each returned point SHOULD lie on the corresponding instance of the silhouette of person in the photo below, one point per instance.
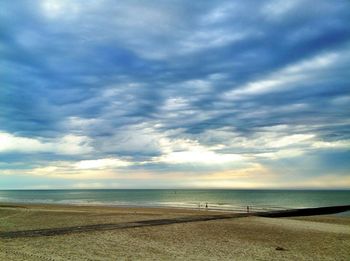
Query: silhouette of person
(247, 209)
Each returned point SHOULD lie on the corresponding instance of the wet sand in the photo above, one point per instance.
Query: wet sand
(238, 238)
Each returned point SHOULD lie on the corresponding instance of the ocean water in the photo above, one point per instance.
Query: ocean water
(235, 200)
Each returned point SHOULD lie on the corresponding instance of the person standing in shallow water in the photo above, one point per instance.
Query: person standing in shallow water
(206, 205)
(247, 209)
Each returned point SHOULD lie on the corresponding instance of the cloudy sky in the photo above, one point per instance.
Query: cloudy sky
(169, 94)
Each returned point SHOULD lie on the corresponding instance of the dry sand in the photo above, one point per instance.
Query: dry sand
(245, 238)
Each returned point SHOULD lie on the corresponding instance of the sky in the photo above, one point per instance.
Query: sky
(174, 94)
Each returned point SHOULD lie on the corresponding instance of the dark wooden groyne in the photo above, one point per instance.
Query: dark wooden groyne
(169, 221)
(305, 211)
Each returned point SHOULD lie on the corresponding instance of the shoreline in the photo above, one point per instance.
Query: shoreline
(111, 206)
(290, 212)
(126, 208)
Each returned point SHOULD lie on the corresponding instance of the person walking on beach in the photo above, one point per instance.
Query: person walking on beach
(247, 209)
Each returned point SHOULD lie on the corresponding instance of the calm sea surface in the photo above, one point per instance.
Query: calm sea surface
(235, 200)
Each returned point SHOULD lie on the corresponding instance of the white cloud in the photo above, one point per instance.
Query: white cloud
(274, 142)
(290, 77)
(209, 39)
(84, 169)
(221, 13)
(281, 154)
(266, 138)
(68, 144)
(285, 141)
(275, 9)
(199, 156)
(73, 144)
(175, 104)
(138, 138)
(101, 164)
(182, 151)
(339, 144)
(58, 9)
(11, 143)
(80, 123)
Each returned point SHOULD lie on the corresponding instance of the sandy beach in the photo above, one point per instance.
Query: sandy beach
(237, 238)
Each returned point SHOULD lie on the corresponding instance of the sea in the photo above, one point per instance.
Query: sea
(211, 199)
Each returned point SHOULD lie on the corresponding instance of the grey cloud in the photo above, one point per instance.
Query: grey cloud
(113, 66)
